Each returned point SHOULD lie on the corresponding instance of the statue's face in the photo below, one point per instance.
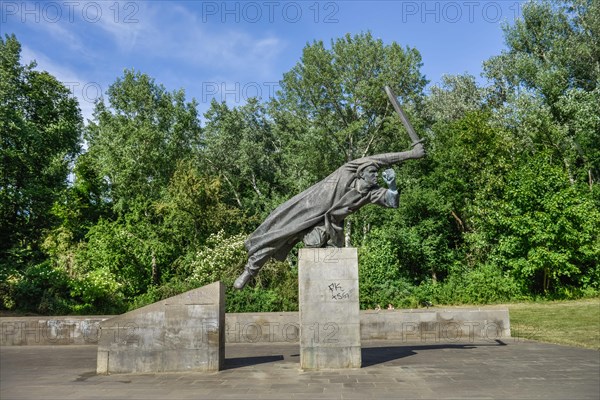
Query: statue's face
(369, 175)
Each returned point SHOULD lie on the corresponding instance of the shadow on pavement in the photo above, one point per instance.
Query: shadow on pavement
(379, 355)
(239, 362)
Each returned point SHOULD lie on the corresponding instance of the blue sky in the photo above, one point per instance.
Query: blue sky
(230, 50)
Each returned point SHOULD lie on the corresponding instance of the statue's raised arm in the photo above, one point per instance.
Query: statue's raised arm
(387, 159)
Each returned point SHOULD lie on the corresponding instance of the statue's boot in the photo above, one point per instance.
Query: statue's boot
(241, 281)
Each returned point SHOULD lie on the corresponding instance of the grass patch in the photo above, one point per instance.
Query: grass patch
(573, 323)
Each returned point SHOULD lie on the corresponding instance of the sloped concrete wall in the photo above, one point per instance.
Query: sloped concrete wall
(182, 333)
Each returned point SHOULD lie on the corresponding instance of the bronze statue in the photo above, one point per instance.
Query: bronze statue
(316, 216)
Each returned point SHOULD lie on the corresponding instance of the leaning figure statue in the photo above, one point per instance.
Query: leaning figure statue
(316, 216)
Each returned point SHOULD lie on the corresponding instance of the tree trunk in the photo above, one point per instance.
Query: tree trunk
(154, 269)
(235, 193)
(546, 280)
(569, 173)
(366, 229)
(459, 221)
(433, 276)
(255, 186)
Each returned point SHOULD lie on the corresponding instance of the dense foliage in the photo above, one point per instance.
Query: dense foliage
(505, 206)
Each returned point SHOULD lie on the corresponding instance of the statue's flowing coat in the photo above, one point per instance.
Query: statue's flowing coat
(326, 203)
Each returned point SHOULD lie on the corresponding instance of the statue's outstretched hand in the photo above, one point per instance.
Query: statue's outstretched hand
(389, 176)
(419, 150)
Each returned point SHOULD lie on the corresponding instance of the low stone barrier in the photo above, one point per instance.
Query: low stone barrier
(43, 331)
(434, 324)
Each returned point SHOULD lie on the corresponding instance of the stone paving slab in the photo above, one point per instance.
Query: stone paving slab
(391, 370)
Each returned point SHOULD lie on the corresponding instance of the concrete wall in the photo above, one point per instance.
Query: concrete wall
(262, 327)
(434, 324)
(329, 309)
(32, 331)
(182, 333)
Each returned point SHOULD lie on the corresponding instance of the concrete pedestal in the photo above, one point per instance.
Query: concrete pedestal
(329, 309)
(182, 333)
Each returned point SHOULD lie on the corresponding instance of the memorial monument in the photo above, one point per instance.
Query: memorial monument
(327, 273)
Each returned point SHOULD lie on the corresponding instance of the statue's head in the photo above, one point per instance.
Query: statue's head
(368, 173)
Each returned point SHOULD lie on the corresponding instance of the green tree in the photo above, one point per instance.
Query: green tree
(136, 139)
(332, 108)
(552, 67)
(451, 100)
(540, 225)
(467, 159)
(241, 148)
(544, 230)
(192, 207)
(40, 133)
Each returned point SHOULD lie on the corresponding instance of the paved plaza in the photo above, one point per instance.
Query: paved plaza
(509, 369)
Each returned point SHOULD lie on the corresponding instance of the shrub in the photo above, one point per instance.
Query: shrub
(156, 293)
(41, 288)
(98, 292)
(222, 259)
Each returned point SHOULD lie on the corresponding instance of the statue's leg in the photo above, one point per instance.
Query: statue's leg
(335, 234)
(317, 237)
(254, 264)
(258, 259)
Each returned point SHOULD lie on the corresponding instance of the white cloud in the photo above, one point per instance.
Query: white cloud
(174, 32)
(122, 21)
(172, 36)
(162, 32)
(62, 34)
